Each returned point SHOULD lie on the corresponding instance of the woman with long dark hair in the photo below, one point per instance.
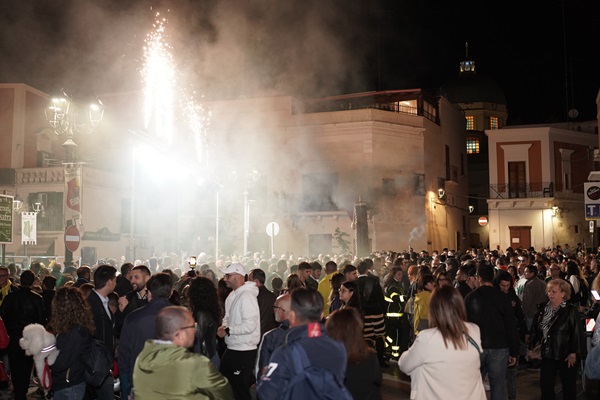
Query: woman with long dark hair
(206, 308)
(73, 325)
(350, 295)
(334, 297)
(363, 375)
(443, 362)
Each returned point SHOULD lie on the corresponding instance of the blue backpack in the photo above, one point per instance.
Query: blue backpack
(312, 382)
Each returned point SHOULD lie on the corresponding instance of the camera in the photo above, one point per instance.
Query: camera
(192, 261)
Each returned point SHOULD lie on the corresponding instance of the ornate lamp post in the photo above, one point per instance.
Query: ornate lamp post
(66, 118)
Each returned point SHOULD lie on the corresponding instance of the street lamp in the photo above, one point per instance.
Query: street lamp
(251, 178)
(65, 119)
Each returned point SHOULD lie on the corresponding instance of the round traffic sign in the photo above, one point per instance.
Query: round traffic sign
(272, 229)
(72, 238)
(483, 221)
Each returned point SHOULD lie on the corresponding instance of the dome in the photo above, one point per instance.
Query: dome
(470, 87)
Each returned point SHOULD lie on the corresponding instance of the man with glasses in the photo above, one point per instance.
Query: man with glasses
(275, 337)
(167, 369)
(241, 330)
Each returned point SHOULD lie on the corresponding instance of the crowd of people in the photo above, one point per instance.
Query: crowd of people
(228, 327)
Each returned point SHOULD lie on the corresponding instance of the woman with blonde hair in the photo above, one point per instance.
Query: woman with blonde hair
(443, 362)
(557, 338)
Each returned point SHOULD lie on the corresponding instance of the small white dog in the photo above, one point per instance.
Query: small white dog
(40, 344)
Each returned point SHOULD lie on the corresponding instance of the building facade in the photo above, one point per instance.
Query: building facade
(537, 176)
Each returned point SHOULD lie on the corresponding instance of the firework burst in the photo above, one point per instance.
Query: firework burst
(158, 76)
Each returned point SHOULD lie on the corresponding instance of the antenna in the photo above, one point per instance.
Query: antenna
(466, 49)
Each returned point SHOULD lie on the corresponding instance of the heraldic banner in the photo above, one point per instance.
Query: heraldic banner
(28, 228)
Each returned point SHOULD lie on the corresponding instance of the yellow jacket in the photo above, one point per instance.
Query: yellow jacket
(421, 308)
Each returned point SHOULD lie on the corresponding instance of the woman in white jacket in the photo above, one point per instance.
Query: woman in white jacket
(443, 362)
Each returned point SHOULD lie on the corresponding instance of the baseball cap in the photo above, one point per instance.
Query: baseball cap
(235, 268)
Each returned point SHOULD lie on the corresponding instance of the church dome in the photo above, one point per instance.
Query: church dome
(471, 87)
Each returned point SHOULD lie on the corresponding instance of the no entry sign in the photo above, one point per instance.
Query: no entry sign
(483, 221)
(72, 238)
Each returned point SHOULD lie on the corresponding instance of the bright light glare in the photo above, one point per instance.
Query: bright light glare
(158, 76)
(159, 166)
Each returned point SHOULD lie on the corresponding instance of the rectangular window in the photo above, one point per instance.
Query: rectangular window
(419, 188)
(470, 122)
(388, 186)
(319, 192)
(494, 123)
(472, 145)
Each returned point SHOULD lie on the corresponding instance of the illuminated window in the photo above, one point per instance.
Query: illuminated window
(470, 122)
(493, 122)
(472, 145)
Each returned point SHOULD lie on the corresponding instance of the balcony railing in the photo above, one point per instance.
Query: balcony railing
(522, 191)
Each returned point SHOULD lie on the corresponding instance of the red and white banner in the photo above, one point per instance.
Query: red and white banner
(73, 182)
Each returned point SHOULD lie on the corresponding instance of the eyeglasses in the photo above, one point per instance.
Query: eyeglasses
(281, 308)
(195, 326)
(3, 275)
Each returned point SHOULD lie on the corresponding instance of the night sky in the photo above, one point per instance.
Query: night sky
(227, 48)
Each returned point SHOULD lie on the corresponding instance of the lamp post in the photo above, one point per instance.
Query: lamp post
(64, 119)
(251, 178)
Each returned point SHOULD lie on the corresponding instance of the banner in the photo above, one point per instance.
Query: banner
(29, 228)
(73, 183)
(6, 219)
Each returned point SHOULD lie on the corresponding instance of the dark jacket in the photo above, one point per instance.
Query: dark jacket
(139, 326)
(134, 303)
(68, 364)
(322, 351)
(565, 335)
(269, 343)
(363, 380)
(80, 282)
(266, 300)
(491, 310)
(372, 299)
(48, 296)
(104, 323)
(206, 335)
(21, 308)
(463, 288)
(123, 286)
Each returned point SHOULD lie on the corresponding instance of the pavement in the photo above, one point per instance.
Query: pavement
(396, 386)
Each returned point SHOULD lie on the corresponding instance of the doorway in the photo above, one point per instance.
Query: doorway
(520, 236)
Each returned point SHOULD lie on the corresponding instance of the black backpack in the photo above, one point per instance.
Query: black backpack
(310, 382)
(98, 363)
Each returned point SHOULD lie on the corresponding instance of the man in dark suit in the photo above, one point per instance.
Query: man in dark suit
(139, 326)
(266, 301)
(105, 280)
(19, 309)
(374, 307)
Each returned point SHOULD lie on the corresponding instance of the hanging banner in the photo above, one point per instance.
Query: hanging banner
(73, 183)
(29, 228)
(6, 219)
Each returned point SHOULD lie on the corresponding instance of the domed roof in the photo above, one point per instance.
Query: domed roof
(470, 87)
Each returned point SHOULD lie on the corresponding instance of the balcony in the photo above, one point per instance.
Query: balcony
(522, 191)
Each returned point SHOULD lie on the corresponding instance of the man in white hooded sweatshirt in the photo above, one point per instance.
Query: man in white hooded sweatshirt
(241, 330)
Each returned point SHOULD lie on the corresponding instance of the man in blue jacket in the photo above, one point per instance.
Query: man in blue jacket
(308, 332)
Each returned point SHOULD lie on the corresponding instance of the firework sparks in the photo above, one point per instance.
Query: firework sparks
(159, 82)
(198, 122)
